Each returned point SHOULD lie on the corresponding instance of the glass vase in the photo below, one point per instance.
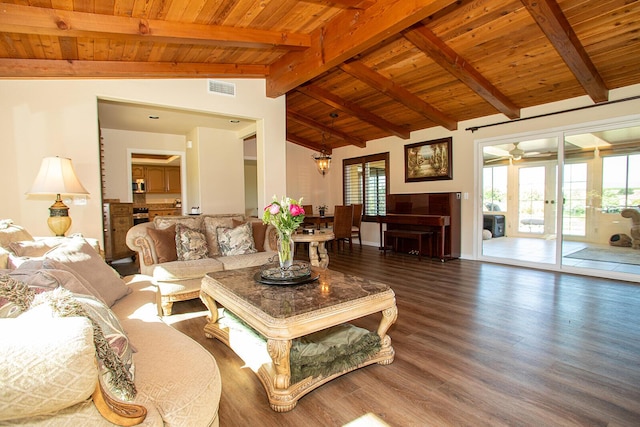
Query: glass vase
(286, 247)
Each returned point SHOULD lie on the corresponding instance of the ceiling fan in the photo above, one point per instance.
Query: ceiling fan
(515, 154)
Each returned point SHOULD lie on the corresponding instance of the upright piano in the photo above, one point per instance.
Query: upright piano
(435, 212)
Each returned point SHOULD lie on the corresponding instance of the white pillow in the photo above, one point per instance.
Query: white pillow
(45, 366)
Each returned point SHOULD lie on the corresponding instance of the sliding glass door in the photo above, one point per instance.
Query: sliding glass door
(602, 195)
(519, 200)
(585, 192)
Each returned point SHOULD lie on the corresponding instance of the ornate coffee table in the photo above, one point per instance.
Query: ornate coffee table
(282, 313)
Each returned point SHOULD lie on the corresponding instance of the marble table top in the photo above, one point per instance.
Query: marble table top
(332, 288)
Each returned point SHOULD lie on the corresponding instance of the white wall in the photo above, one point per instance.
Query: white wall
(221, 171)
(250, 188)
(306, 182)
(192, 173)
(465, 160)
(43, 118)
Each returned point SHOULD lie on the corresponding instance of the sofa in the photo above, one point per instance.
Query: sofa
(83, 346)
(178, 251)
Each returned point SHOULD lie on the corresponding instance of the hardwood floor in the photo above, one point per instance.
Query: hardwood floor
(476, 344)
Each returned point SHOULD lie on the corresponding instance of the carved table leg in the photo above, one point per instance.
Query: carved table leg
(389, 317)
(324, 256)
(213, 312)
(279, 352)
(313, 254)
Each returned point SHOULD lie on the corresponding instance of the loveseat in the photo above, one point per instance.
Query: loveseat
(178, 251)
(81, 346)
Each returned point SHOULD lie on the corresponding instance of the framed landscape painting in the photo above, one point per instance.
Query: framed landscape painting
(428, 160)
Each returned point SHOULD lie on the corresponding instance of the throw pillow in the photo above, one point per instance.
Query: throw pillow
(236, 241)
(211, 224)
(80, 258)
(35, 248)
(190, 244)
(161, 222)
(9, 232)
(165, 243)
(15, 297)
(53, 274)
(114, 334)
(110, 342)
(259, 230)
(54, 368)
(4, 259)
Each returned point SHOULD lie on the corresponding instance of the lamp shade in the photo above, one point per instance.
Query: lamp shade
(57, 176)
(323, 162)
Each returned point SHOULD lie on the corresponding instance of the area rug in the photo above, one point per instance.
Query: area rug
(613, 254)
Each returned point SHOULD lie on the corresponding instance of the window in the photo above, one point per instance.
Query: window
(494, 191)
(574, 211)
(620, 182)
(365, 181)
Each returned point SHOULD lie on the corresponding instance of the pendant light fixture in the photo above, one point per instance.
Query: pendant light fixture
(323, 160)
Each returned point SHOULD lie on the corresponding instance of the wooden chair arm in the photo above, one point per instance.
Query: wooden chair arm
(117, 412)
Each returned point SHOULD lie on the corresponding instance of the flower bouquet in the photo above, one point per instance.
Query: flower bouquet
(286, 216)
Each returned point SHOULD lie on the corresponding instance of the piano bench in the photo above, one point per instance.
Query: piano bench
(407, 234)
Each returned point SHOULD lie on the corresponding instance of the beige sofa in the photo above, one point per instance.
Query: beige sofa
(179, 279)
(50, 371)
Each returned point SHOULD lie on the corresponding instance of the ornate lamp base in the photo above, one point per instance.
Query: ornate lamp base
(59, 220)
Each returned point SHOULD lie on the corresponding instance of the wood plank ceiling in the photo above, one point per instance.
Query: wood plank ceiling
(387, 67)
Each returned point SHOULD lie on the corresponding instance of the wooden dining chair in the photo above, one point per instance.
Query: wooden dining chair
(308, 209)
(356, 223)
(342, 223)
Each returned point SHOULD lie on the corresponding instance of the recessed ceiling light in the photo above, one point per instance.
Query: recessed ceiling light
(234, 121)
(154, 117)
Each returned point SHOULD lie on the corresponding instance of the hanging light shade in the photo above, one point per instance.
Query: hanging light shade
(323, 162)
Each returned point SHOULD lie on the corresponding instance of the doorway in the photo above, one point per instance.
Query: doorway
(536, 211)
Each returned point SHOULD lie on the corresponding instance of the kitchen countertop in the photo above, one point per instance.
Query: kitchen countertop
(162, 206)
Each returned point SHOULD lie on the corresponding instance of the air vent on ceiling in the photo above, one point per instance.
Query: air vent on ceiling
(222, 88)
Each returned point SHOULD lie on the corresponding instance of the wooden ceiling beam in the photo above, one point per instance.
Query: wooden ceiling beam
(425, 40)
(62, 23)
(353, 109)
(354, 4)
(558, 30)
(399, 93)
(45, 68)
(349, 34)
(291, 137)
(332, 132)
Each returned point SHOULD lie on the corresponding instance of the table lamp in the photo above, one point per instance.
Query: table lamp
(57, 176)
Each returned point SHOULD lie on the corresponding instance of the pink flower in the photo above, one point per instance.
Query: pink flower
(273, 208)
(296, 210)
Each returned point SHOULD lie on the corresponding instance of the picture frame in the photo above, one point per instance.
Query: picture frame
(428, 160)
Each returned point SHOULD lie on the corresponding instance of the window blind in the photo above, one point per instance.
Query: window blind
(365, 181)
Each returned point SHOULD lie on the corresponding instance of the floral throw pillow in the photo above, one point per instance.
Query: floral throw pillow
(190, 244)
(236, 241)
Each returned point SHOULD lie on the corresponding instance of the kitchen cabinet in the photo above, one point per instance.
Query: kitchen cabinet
(172, 177)
(137, 172)
(155, 179)
(163, 179)
(163, 212)
(118, 219)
